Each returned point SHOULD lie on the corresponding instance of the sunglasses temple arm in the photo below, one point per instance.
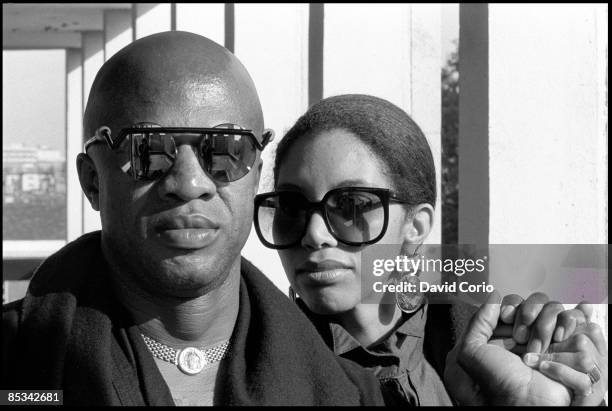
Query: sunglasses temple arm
(267, 137)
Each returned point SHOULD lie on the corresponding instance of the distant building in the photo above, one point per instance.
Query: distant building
(20, 153)
(32, 174)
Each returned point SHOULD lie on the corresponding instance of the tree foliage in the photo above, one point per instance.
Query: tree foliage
(450, 134)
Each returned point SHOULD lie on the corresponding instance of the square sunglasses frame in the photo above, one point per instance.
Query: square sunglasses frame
(386, 196)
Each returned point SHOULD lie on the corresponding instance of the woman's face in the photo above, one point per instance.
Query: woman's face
(324, 272)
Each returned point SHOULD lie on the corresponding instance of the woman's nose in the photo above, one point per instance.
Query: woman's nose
(317, 235)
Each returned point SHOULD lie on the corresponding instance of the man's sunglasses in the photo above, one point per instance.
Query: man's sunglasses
(226, 152)
(353, 215)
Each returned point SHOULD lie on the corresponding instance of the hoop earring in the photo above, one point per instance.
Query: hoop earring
(292, 294)
(408, 301)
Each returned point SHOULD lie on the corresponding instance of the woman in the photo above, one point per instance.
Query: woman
(353, 171)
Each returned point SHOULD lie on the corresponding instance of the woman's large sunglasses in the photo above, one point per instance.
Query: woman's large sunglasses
(353, 215)
(226, 152)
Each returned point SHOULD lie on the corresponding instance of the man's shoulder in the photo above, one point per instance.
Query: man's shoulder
(281, 332)
(65, 267)
(88, 243)
(256, 279)
(11, 314)
(58, 272)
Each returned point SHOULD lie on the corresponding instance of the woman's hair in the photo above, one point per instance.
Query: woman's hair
(387, 130)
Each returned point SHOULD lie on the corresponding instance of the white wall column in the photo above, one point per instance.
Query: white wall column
(118, 31)
(74, 142)
(151, 18)
(390, 51)
(426, 90)
(367, 50)
(277, 59)
(548, 126)
(205, 19)
(535, 87)
(548, 137)
(93, 58)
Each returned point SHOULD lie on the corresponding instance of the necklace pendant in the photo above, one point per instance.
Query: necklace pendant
(191, 360)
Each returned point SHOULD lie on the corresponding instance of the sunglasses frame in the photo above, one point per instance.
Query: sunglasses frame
(386, 196)
(103, 134)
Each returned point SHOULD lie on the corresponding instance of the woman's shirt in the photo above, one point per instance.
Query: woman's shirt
(399, 362)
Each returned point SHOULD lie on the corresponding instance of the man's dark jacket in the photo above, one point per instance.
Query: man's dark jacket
(70, 333)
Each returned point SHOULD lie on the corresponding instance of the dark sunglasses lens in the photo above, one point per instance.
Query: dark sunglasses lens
(152, 154)
(282, 218)
(227, 157)
(355, 216)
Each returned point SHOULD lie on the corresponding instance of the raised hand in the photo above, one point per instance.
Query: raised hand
(480, 372)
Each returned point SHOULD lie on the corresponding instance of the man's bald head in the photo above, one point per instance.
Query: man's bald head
(181, 234)
(178, 78)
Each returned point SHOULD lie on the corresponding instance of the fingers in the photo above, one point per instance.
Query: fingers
(481, 326)
(544, 326)
(590, 339)
(568, 322)
(576, 343)
(508, 307)
(526, 314)
(579, 361)
(576, 381)
(595, 333)
(537, 322)
(586, 308)
(506, 343)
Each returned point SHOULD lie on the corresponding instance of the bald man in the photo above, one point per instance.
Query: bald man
(159, 308)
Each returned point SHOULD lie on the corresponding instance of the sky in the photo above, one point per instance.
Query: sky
(33, 89)
(450, 28)
(33, 97)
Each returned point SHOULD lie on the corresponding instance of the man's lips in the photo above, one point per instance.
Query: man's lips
(187, 231)
(185, 222)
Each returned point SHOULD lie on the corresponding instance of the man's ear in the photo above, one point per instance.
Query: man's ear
(257, 173)
(417, 226)
(88, 177)
(268, 136)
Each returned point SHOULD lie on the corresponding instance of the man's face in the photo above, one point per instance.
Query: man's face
(181, 234)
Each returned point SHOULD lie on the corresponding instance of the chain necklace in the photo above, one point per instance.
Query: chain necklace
(189, 360)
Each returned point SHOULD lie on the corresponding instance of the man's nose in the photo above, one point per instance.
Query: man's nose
(186, 180)
(317, 235)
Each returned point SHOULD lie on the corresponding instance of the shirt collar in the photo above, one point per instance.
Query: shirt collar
(413, 325)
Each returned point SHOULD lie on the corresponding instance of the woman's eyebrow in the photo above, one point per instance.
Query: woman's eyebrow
(356, 182)
(288, 186)
(351, 182)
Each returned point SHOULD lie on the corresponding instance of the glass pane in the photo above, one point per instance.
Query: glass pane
(34, 145)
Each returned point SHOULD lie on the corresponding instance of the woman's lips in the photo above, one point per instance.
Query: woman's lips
(323, 272)
(326, 277)
(187, 231)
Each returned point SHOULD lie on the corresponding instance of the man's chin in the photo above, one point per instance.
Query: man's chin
(189, 281)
